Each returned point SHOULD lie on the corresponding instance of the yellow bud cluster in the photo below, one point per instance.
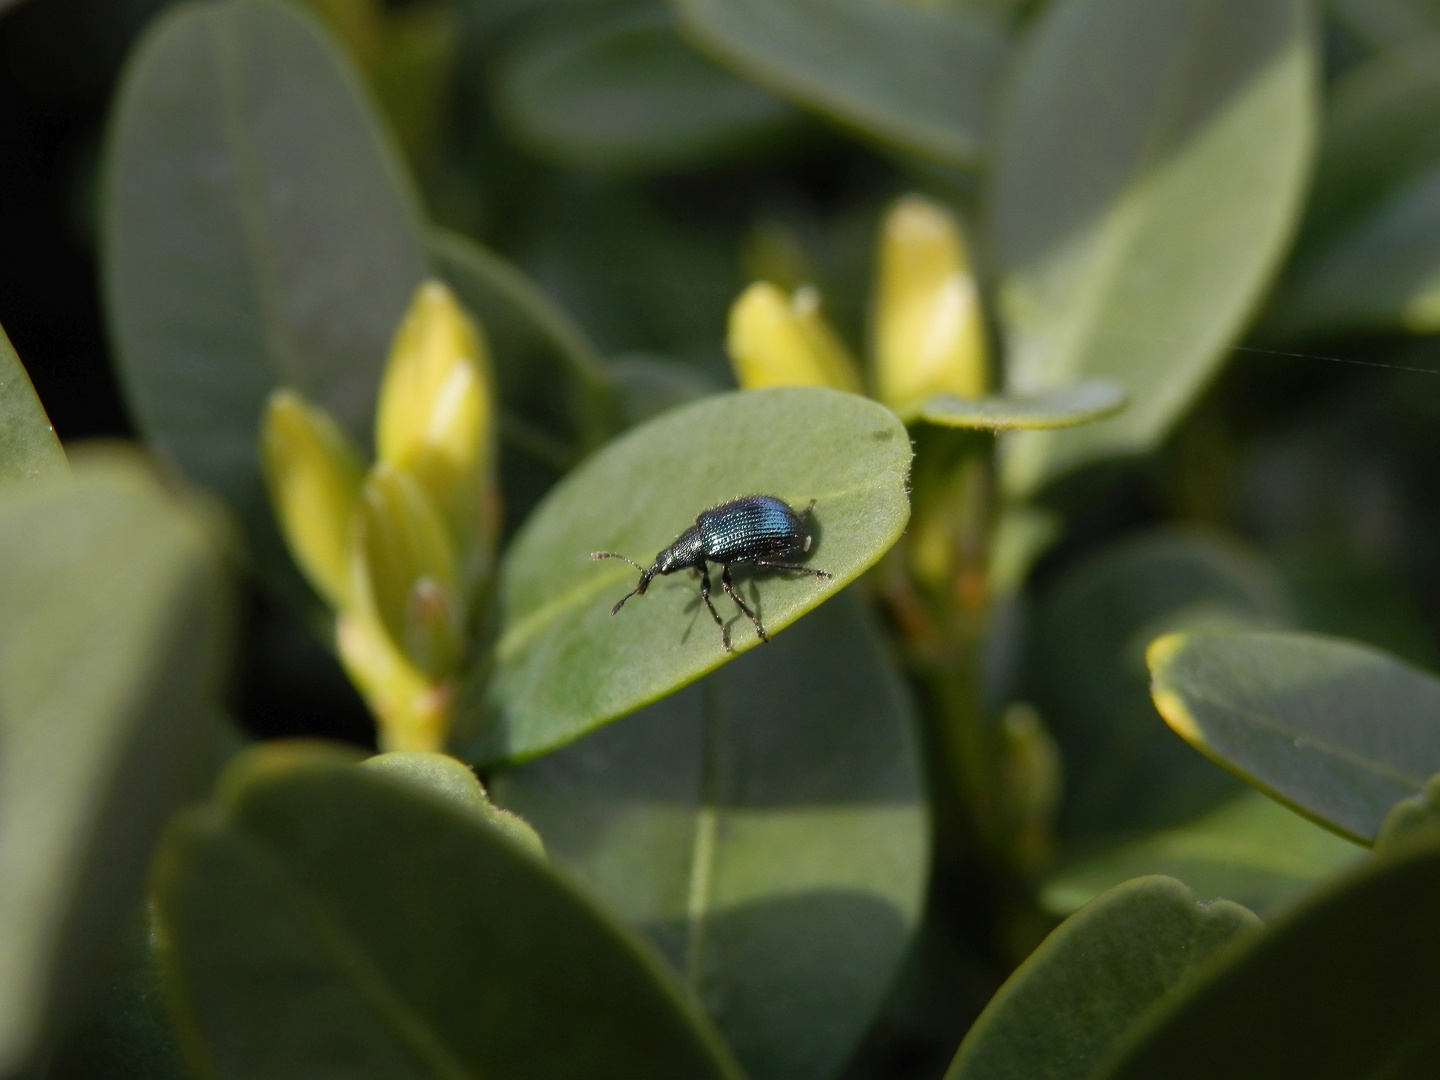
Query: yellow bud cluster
(397, 552)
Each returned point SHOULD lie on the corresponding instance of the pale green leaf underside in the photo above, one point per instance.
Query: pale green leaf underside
(1064, 406)
(766, 828)
(1335, 729)
(112, 630)
(564, 665)
(1149, 164)
(916, 77)
(29, 449)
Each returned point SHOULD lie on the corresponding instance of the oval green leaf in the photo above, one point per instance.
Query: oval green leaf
(113, 627)
(1343, 987)
(915, 77)
(564, 666)
(1063, 406)
(624, 92)
(766, 828)
(326, 920)
(257, 232)
(1123, 770)
(1367, 255)
(1250, 849)
(1093, 978)
(1150, 162)
(1339, 731)
(29, 449)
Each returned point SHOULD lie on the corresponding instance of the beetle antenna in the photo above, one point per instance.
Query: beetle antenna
(598, 555)
(645, 576)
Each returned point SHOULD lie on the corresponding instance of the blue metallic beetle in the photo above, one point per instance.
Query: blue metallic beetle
(756, 529)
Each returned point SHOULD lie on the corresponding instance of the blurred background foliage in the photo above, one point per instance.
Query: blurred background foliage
(642, 163)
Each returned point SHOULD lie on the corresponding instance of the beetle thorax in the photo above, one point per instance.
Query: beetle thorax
(688, 550)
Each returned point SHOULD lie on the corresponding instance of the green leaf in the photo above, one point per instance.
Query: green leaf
(257, 232)
(1064, 406)
(766, 828)
(622, 91)
(1343, 987)
(327, 920)
(29, 449)
(1367, 255)
(1338, 731)
(442, 775)
(1388, 24)
(127, 1033)
(1150, 161)
(564, 666)
(112, 631)
(1410, 814)
(915, 77)
(1093, 978)
(1123, 769)
(1249, 849)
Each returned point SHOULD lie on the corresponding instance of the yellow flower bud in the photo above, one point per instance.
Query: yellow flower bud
(314, 478)
(778, 342)
(930, 337)
(434, 415)
(404, 570)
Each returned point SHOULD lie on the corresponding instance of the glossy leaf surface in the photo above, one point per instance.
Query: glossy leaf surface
(29, 449)
(915, 77)
(257, 232)
(1123, 769)
(1093, 978)
(1150, 160)
(1250, 849)
(324, 919)
(766, 828)
(1337, 730)
(113, 624)
(565, 666)
(1342, 987)
(1064, 406)
(626, 92)
(1366, 258)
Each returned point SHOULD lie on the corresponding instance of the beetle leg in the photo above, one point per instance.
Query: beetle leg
(705, 595)
(728, 586)
(792, 566)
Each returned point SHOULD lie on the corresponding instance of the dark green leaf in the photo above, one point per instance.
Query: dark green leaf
(1123, 769)
(29, 449)
(257, 231)
(1388, 24)
(1090, 980)
(327, 920)
(1150, 161)
(112, 630)
(1064, 406)
(766, 828)
(563, 666)
(1343, 987)
(1339, 731)
(915, 77)
(1250, 849)
(624, 92)
(127, 1033)
(1367, 256)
